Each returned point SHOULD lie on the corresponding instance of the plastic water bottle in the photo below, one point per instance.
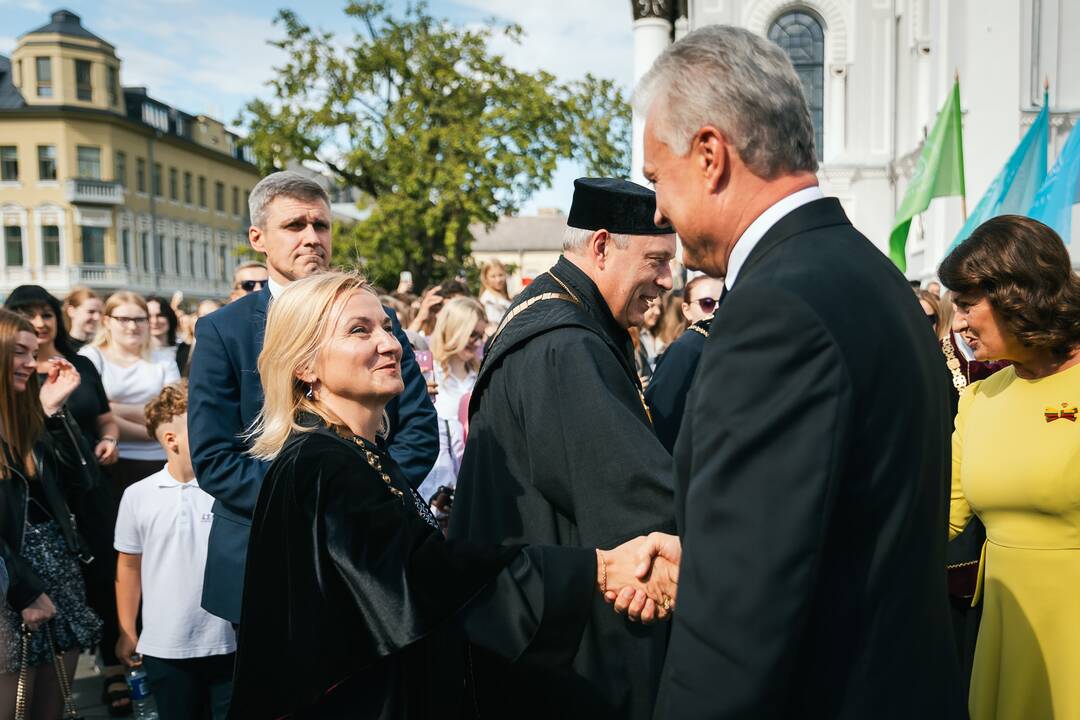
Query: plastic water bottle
(141, 703)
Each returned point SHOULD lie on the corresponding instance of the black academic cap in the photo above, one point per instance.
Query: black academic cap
(618, 206)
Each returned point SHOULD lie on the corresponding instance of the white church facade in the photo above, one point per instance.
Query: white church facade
(877, 72)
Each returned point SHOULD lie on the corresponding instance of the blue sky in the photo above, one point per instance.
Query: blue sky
(211, 57)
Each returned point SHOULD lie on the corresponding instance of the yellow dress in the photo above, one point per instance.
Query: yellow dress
(1016, 464)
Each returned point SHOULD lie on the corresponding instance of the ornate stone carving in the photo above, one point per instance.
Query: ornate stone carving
(653, 8)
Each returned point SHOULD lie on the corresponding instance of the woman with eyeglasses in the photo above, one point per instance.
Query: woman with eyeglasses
(666, 394)
(121, 355)
(457, 345)
(165, 344)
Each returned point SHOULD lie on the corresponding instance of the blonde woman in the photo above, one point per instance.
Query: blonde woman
(121, 354)
(347, 571)
(457, 345)
(495, 298)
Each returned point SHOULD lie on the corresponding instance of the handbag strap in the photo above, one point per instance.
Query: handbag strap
(71, 712)
(24, 672)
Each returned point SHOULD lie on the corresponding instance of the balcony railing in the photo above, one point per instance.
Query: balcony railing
(94, 274)
(94, 192)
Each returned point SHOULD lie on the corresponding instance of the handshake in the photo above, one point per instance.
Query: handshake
(640, 577)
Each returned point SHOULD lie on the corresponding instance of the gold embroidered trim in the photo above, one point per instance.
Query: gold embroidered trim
(569, 296)
(959, 380)
(698, 330)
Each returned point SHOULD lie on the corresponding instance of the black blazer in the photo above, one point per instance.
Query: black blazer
(225, 396)
(812, 478)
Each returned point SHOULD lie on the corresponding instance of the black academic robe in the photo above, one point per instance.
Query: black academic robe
(355, 606)
(812, 483)
(675, 368)
(561, 451)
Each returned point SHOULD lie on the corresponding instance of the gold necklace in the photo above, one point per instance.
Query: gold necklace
(376, 465)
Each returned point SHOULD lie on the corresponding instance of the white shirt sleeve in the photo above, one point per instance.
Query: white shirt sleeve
(172, 373)
(94, 355)
(128, 535)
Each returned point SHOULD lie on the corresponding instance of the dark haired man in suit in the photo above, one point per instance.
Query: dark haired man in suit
(290, 224)
(812, 468)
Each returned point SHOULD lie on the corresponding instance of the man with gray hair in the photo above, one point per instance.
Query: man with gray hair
(812, 468)
(561, 451)
(290, 225)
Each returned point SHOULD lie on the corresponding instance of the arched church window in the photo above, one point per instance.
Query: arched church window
(801, 36)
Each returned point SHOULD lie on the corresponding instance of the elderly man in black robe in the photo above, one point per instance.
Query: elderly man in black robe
(561, 449)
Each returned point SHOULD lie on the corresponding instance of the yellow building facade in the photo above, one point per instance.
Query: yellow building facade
(105, 186)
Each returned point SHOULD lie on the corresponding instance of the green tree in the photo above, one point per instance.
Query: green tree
(438, 132)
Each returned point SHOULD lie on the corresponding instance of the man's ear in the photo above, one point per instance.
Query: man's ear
(710, 149)
(255, 239)
(168, 438)
(599, 244)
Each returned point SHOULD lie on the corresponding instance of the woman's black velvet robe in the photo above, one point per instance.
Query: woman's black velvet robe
(354, 606)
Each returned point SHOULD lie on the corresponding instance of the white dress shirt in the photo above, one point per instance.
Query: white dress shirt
(275, 288)
(764, 222)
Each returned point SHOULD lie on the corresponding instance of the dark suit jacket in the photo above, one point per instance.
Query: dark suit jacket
(224, 398)
(812, 479)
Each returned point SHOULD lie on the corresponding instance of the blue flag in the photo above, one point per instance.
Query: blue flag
(1053, 203)
(1014, 189)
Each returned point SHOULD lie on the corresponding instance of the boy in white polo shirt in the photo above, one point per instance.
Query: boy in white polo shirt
(161, 535)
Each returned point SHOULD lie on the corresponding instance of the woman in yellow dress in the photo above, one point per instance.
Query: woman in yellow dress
(1016, 465)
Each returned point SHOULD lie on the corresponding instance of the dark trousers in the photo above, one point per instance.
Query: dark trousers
(193, 688)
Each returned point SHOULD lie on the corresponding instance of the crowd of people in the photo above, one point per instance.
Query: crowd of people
(324, 499)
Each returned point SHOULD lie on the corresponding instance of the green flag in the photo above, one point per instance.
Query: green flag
(939, 172)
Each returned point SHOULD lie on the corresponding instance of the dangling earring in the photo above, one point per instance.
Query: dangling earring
(310, 391)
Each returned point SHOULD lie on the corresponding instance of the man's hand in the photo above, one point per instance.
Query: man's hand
(658, 568)
(125, 649)
(38, 612)
(105, 451)
(61, 381)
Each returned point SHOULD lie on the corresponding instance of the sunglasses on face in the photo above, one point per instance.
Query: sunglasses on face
(707, 304)
(251, 285)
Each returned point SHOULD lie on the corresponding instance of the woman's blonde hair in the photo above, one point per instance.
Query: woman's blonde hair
(21, 415)
(292, 343)
(104, 337)
(488, 268)
(454, 328)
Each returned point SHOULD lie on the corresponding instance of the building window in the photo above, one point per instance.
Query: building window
(187, 188)
(155, 180)
(191, 258)
(221, 263)
(93, 245)
(89, 162)
(155, 117)
(202, 191)
(140, 175)
(46, 162)
(9, 163)
(120, 168)
(159, 255)
(236, 201)
(84, 90)
(174, 189)
(125, 248)
(176, 256)
(43, 65)
(50, 244)
(144, 248)
(206, 261)
(13, 246)
(114, 86)
(219, 196)
(800, 35)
